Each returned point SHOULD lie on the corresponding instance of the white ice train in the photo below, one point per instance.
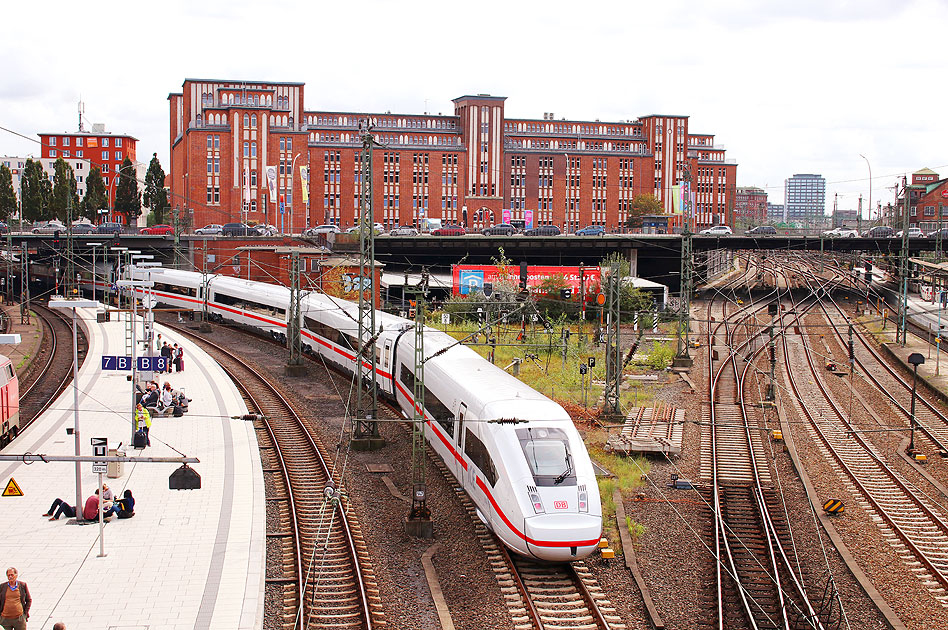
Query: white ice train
(530, 476)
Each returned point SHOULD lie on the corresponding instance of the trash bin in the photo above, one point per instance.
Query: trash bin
(116, 469)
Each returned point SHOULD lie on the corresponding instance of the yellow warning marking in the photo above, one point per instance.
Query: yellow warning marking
(834, 506)
(12, 489)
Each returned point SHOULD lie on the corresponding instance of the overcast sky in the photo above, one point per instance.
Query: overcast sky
(787, 87)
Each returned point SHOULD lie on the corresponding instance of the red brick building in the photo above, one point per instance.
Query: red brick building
(84, 149)
(750, 206)
(928, 201)
(474, 167)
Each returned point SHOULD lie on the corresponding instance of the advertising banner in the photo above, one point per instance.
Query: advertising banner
(272, 181)
(528, 219)
(505, 215)
(470, 278)
(304, 181)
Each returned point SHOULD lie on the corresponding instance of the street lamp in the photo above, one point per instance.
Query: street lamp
(292, 179)
(870, 187)
(94, 276)
(916, 359)
(73, 304)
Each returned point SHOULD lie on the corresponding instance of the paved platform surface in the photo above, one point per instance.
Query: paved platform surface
(190, 559)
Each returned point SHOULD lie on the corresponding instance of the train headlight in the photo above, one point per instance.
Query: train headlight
(583, 499)
(537, 503)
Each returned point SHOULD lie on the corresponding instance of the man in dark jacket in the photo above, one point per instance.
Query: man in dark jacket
(166, 353)
(15, 602)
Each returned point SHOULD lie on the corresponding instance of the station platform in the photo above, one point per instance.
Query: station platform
(190, 559)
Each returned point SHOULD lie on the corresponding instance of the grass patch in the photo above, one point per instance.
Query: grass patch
(636, 530)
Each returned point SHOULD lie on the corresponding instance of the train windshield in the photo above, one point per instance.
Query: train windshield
(548, 456)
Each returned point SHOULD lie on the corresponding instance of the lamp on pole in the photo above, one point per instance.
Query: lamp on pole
(292, 180)
(870, 186)
(94, 276)
(73, 304)
(915, 359)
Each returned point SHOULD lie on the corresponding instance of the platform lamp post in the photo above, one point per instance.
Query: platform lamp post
(118, 259)
(134, 284)
(73, 304)
(870, 188)
(94, 275)
(915, 359)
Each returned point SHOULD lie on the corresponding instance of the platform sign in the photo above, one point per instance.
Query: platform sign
(100, 467)
(445, 318)
(116, 363)
(12, 489)
(152, 364)
(99, 446)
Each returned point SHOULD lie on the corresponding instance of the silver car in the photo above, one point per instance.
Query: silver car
(210, 230)
(403, 230)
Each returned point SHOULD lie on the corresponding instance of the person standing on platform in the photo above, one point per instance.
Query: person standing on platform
(179, 359)
(143, 422)
(166, 353)
(15, 602)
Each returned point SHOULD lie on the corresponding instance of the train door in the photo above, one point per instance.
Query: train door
(459, 437)
(480, 475)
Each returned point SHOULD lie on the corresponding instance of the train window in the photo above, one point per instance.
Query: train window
(547, 454)
(249, 305)
(171, 288)
(439, 412)
(407, 377)
(477, 452)
(9, 371)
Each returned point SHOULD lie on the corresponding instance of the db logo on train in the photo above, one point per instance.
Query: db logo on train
(560, 505)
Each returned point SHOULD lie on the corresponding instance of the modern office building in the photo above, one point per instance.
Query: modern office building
(473, 166)
(805, 199)
(750, 206)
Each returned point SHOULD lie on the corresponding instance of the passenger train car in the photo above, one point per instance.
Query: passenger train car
(9, 402)
(515, 451)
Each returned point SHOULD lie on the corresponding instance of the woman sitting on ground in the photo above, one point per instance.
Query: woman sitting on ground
(124, 507)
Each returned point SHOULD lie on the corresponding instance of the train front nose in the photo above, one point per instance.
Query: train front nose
(562, 537)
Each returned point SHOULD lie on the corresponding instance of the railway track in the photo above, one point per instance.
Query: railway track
(327, 580)
(757, 580)
(50, 371)
(909, 520)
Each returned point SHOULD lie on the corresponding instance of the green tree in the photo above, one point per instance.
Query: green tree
(7, 195)
(64, 191)
(155, 196)
(642, 205)
(35, 191)
(128, 200)
(96, 196)
(550, 301)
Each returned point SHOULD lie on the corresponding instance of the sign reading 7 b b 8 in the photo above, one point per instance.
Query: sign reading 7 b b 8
(145, 364)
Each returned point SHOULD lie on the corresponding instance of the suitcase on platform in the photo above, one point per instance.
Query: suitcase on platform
(139, 440)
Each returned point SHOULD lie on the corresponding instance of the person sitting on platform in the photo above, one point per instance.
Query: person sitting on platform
(60, 508)
(166, 400)
(124, 507)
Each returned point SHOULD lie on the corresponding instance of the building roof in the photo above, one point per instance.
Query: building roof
(925, 171)
(87, 133)
(241, 81)
(479, 96)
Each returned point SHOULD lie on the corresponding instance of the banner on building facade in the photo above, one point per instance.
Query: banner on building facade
(246, 184)
(304, 181)
(470, 278)
(505, 215)
(676, 199)
(272, 181)
(528, 219)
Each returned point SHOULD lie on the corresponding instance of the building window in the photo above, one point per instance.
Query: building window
(217, 142)
(105, 142)
(118, 142)
(253, 178)
(209, 145)
(52, 153)
(65, 142)
(78, 142)
(253, 149)
(246, 149)
(52, 142)
(79, 154)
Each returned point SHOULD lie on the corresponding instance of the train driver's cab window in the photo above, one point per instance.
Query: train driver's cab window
(548, 457)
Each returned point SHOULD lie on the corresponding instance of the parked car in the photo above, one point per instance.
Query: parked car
(879, 231)
(761, 230)
(841, 232)
(211, 229)
(4, 228)
(913, 232)
(326, 228)
(237, 229)
(717, 230)
(404, 230)
(501, 229)
(543, 230)
(48, 227)
(109, 227)
(591, 230)
(266, 230)
(942, 233)
(449, 230)
(83, 228)
(161, 228)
